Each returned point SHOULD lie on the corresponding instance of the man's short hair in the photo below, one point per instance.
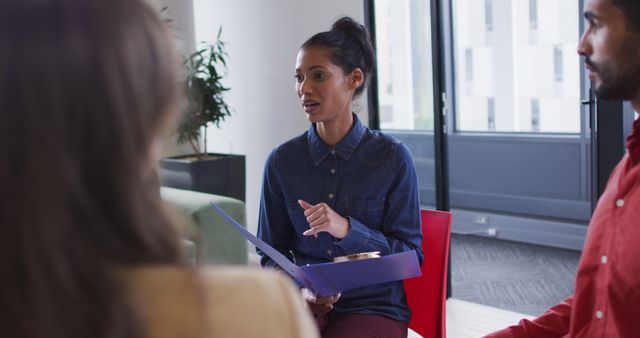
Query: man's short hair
(631, 11)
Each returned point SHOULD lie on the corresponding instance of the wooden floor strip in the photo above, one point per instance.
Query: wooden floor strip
(471, 320)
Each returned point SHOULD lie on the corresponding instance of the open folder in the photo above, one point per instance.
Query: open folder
(326, 279)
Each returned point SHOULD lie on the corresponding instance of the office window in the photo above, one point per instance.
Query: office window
(500, 79)
(511, 68)
(535, 115)
(533, 14)
(488, 15)
(404, 73)
(557, 63)
(468, 62)
(491, 114)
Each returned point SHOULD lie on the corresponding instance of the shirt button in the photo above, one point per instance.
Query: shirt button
(329, 252)
(332, 171)
(603, 259)
(330, 196)
(620, 203)
(599, 314)
(333, 151)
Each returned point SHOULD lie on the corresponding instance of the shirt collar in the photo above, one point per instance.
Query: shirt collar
(345, 148)
(633, 142)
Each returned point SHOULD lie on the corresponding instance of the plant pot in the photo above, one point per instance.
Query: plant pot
(223, 174)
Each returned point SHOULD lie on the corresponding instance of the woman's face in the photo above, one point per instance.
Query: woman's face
(325, 91)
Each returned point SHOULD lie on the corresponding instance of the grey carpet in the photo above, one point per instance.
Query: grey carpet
(509, 275)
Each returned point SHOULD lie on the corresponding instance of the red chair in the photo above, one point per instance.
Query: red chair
(427, 294)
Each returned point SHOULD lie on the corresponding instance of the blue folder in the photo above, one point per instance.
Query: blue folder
(326, 279)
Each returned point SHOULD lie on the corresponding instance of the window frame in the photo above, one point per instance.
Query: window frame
(566, 218)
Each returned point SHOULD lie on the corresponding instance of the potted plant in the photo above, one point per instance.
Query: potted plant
(221, 174)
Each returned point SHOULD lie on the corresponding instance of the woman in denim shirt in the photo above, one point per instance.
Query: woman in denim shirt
(341, 188)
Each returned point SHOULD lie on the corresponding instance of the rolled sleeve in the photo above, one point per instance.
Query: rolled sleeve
(357, 240)
(553, 323)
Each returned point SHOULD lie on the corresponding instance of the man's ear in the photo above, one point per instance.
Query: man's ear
(356, 79)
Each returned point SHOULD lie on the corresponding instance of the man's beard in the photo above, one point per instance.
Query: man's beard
(619, 76)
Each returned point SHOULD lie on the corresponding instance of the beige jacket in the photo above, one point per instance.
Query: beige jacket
(218, 302)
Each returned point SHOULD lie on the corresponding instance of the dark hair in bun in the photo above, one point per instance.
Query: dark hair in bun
(349, 47)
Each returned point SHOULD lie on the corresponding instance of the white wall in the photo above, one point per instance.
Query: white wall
(263, 38)
(180, 12)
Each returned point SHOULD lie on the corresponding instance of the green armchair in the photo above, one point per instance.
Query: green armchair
(216, 241)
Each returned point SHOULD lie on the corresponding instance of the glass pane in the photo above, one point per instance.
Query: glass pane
(405, 84)
(516, 65)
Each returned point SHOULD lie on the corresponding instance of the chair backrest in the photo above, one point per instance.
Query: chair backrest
(427, 294)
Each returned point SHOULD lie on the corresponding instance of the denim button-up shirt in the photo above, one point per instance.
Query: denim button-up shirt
(368, 177)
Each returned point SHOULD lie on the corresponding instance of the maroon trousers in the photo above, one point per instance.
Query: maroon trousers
(361, 326)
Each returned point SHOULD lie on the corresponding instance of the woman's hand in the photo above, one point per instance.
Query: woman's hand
(322, 218)
(319, 305)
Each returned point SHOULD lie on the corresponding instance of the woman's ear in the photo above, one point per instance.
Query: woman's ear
(356, 79)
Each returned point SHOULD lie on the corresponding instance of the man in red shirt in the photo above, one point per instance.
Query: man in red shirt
(606, 301)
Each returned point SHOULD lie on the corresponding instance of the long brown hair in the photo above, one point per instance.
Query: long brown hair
(85, 88)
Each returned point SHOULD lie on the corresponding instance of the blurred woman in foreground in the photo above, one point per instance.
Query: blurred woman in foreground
(87, 88)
